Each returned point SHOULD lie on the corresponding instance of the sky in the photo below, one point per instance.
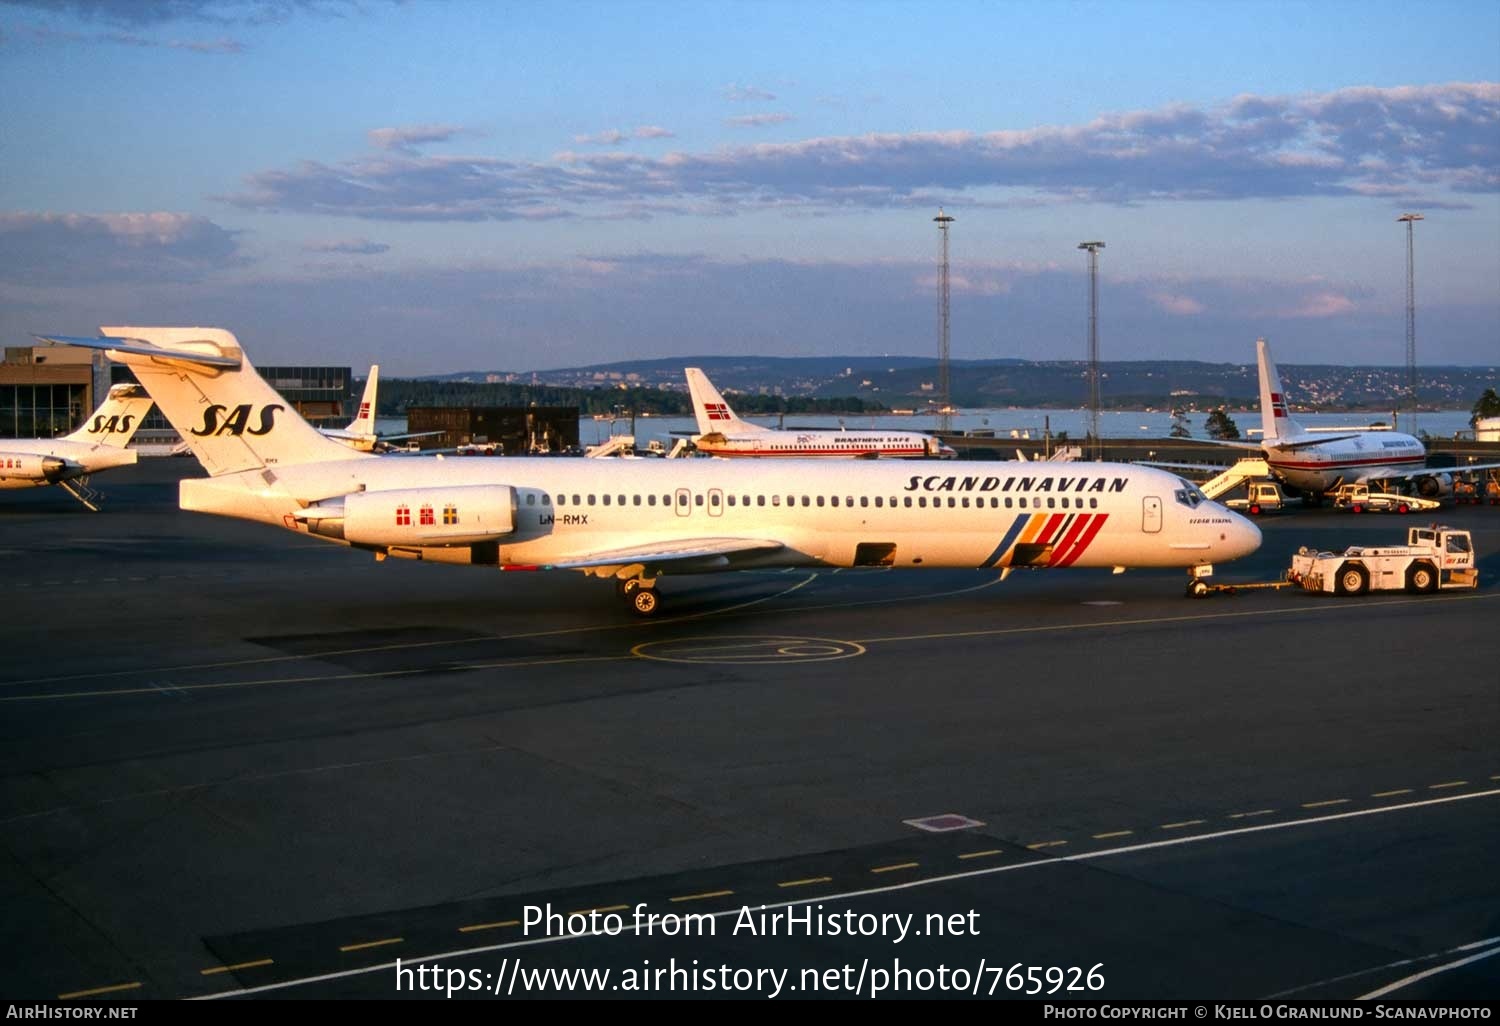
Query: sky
(445, 186)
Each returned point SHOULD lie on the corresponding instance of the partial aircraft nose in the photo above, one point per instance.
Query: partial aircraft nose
(1240, 537)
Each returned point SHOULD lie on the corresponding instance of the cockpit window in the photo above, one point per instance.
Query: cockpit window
(1189, 495)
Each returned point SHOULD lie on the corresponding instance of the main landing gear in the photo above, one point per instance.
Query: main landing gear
(640, 595)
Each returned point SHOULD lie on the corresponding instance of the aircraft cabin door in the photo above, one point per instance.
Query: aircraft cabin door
(1151, 514)
(684, 502)
(715, 502)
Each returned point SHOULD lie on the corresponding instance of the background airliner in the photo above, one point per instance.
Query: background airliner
(636, 520)
(68, 461)
(1316, 462)
(722, 433)
(360, 434)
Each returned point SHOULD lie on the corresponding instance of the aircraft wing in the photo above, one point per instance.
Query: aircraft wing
(716, 553)
(1430, 471)
(1303, 443)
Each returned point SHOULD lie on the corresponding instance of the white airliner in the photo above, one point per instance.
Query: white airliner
(360, 434)
(68, 461)
(1315, 462)
(636, 520)
(721, 433)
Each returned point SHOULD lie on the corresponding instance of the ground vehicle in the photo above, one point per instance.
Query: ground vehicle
(1261, 497)
(1433, 557)
(1358, 498)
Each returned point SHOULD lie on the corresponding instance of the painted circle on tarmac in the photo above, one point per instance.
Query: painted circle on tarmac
(748, 650)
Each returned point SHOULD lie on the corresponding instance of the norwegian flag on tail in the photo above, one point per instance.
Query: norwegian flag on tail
(1278, 405)
(716, 411)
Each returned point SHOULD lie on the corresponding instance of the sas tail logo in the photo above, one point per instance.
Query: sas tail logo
(221, 420)
(111, 425)
(716, 411)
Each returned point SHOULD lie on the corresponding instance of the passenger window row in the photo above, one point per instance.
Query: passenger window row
(846, 501)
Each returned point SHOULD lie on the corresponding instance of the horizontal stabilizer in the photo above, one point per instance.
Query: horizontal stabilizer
(139, 347)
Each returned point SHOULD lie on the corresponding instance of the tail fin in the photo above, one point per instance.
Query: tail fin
(713, 413)
(210, 393)
(115, 422)
(1276, 424)
(364, 421)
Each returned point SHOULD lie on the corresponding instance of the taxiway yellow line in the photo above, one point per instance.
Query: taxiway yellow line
(95, 991)
(701, 897)
(897, 866)
(804, 883)
(475, 928)
(373, 944)
(982, 854)
(218, 969)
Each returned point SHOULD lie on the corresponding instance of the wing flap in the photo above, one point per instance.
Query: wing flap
(666, 553)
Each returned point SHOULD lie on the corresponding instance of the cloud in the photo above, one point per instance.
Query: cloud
(360, 247)
(1419, 144)
(614, 136)
(746, 94)
(757, 120)
(409, 137)
(221, 12)
(609, 137)
(83, 249)
(1183, 306)
(1320, 304)
(602, 305)
(48, 35)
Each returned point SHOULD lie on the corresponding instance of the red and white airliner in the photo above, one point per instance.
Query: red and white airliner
(722, 433)
(636, 520)
(1317, 461)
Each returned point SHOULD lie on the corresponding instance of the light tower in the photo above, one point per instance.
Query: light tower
(945, 419)
(1411, 320)
(1093, 250)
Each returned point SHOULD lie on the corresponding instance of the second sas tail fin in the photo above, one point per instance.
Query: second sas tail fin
(116, 420)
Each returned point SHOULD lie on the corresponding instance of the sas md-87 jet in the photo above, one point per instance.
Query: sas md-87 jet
(722, 433)
(69, 461)
(636, 521)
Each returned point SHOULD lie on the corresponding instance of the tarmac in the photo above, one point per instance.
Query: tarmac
(238, 762)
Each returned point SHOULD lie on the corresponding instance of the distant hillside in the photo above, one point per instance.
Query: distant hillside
(908, 382)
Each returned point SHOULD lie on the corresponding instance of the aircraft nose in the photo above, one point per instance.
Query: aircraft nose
(1241, 537)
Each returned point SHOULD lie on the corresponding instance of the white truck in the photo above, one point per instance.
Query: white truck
(1358, 498)
(1260, 497)
(1433, 557)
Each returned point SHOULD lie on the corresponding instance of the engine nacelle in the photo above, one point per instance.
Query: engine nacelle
(1435, 486)
(416, 517)
(30, 466)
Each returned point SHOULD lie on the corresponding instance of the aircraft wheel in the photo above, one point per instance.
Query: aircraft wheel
(1421, 578)
(1197, 589)
(1353, 580)
(643, 601)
